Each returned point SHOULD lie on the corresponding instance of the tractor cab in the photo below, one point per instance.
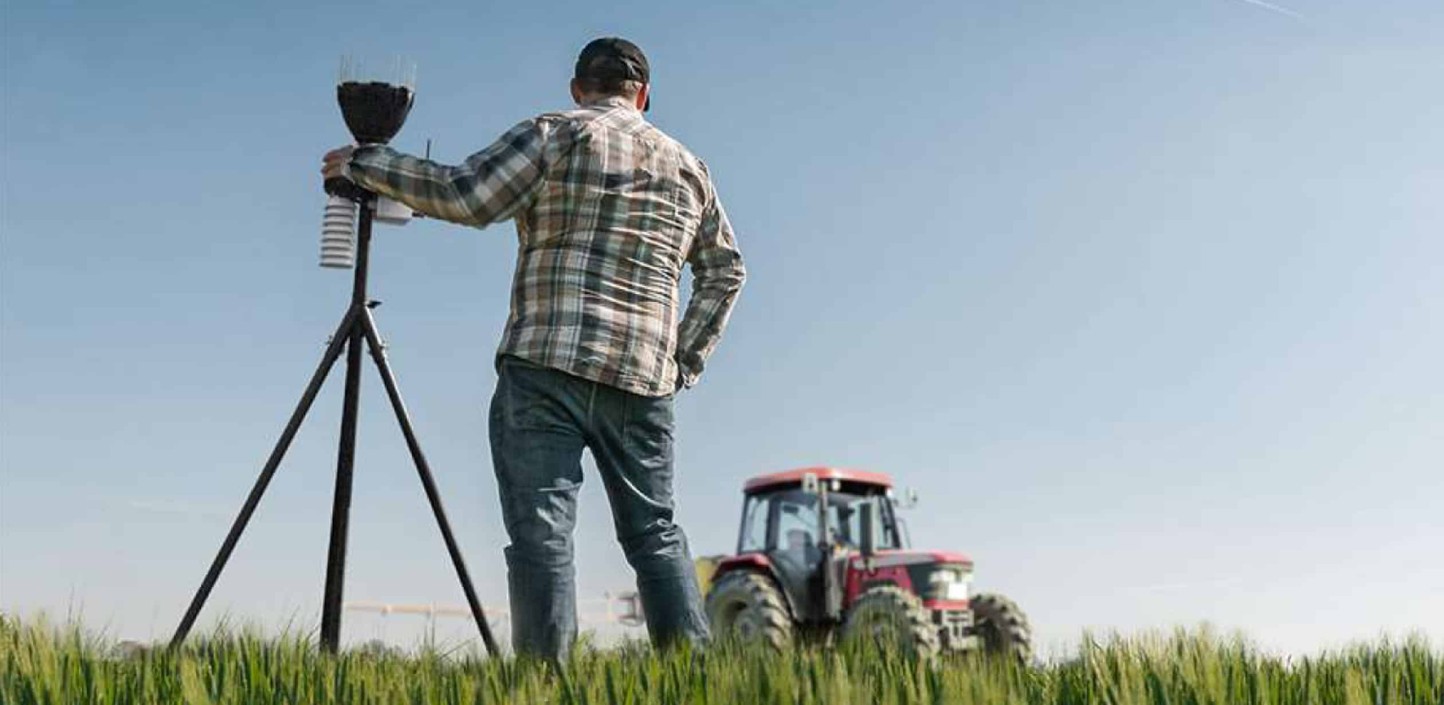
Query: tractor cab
(821, 550)
(804, 520)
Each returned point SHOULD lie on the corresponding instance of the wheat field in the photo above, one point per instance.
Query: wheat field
(41, 663)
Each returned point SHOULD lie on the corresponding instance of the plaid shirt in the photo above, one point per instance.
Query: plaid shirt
(608, 209)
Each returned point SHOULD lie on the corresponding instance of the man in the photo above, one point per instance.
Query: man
(607, 210)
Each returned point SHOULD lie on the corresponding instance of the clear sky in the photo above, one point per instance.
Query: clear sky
(1143, 298)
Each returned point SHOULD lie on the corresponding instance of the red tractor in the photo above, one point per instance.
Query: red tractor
(822, 554)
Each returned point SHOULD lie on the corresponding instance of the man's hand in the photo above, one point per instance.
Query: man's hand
(335, 165)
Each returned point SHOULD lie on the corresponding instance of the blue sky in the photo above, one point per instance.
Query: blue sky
(1144, 299)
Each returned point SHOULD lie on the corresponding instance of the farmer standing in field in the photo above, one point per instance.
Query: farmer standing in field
(607, 209)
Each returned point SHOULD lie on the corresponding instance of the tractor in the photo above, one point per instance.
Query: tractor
(822, 556)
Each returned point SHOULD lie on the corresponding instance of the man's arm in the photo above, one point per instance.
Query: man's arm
(717, 276)
(490, 186)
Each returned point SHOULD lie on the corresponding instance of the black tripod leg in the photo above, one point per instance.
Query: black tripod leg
(349, 322)
(341, 504)
(378, 353)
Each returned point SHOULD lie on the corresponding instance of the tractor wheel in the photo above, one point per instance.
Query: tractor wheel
(1002, 626)
(746, 606)
(891, 617)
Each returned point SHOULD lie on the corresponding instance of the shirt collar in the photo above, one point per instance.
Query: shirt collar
(612, 101)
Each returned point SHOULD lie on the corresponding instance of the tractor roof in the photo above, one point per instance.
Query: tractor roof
(794, 477)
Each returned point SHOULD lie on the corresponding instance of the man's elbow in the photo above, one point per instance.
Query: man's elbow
(725, 283)
(461, 200)
(723, 275)
(736, 276)
(453, 213)
(468, 211)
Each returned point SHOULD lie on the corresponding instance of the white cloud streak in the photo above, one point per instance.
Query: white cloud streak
(1274, 8)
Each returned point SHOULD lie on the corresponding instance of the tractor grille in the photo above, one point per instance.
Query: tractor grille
(953, 628)
(953, 618)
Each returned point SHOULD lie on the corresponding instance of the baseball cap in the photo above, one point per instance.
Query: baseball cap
(614, 59)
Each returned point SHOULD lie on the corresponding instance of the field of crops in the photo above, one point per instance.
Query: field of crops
(42, 664)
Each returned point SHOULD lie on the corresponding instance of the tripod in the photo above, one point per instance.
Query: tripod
(357, 328)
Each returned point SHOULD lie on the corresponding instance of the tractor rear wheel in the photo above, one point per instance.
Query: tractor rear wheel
(1002, 626)
(746, 606)
(891, 617)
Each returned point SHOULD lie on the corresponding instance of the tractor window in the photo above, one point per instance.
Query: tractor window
(754, 525)
(846, 519)
(797, 523)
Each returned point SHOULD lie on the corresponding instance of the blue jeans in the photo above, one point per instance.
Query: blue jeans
(541, 419)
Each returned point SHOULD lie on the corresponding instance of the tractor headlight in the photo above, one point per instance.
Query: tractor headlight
(951, 583)
(959, 590)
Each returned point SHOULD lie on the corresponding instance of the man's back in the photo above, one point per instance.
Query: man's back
(608, 210)
(602, 247)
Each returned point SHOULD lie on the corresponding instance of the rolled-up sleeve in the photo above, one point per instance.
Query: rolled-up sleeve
(490, 186)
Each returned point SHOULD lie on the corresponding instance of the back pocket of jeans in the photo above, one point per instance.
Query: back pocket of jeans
(648, 435)
(532, 398)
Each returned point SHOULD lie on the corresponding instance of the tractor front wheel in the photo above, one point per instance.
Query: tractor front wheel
(746, 606)
(891, 617)
(1002, 626)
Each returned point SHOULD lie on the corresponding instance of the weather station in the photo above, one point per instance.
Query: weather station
(375, 99)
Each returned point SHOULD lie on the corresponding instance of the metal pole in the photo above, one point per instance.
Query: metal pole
(831, 606)
(367, 325)
(346, 453)
(333, 350)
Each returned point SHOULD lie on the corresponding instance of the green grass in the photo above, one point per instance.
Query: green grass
(40, 663)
